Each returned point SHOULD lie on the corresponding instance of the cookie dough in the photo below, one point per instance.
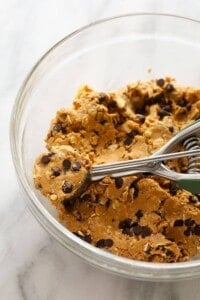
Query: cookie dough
(143, 217)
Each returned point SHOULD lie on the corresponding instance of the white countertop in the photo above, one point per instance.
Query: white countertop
(32, 264)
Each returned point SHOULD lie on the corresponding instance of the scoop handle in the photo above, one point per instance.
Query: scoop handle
(191, 185)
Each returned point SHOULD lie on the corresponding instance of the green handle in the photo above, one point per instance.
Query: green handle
(191, 185)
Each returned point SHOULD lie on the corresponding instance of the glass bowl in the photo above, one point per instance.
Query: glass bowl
(106, 55)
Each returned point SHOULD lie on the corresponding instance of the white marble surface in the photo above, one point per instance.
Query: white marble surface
(32, 264)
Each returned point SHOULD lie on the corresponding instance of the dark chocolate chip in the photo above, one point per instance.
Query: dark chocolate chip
(196, 230)
(56, 171)
(187, 232)
(140, 110)
(102, 97)
(128, 140)
(112, 104)
(119, 182)
(189, 107)
(100, 243)
(136, 188)
(133, 133)
(182, 102)
(178, 223)
(169, 87)
(139, 214)
(130, 136)
(66, 164)
(141, 118)
(57, 127)
(163, 113)
(107, 204)
(127, 231)
(126, 223)
(193, 199)
(173, 188)
(76, 166)
(87, 238)
(145, 231)
(45, 159)
(68, 204)
(169, 253)
(158, 98)
(108, 243)
(189, 222)
(137, 230)
(171, 129)
(85, 198)
(167, 108)
(103, 122)
(160, 82)
(67, 187)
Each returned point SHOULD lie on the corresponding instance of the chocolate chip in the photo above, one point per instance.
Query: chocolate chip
(45, 159)
(158, 98)
(169, 253)
(193, 199)
(108, 243)
(171, 129)
(103, 122)
(173, 188)
(169, 87)
(133, 133)
(163, 113)
(126, 223)
(66, 164)
(145, 231)
(134, 185)
(85, 198)
(130, 136)
(128, 140)
(104, 243)
(56, 171)
(182, 102)
(68, 204)
(107, 204)
(160, 82)
(197, 118)
(167, 108)
(178, 223)
(102, 97)
(112, 104)
(127, 231)
(187, 232)
(87, 238)
(137, 230)
(141, 118)
(140, 110)
(57, 127)
(119, 182)
(189, 222)
(76, 166)
(196, 230)
(67, 187)
(139, 214)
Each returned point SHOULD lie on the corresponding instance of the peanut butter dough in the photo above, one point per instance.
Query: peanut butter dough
(143, 217)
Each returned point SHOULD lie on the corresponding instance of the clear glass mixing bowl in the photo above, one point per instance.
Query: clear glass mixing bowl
(106, 55)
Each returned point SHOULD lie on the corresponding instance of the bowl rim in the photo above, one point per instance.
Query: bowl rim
(119, 265)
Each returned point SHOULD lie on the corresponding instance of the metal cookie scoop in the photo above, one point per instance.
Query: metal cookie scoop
(189, 137)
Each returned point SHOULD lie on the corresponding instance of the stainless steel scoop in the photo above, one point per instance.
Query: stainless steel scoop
(155, 163)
